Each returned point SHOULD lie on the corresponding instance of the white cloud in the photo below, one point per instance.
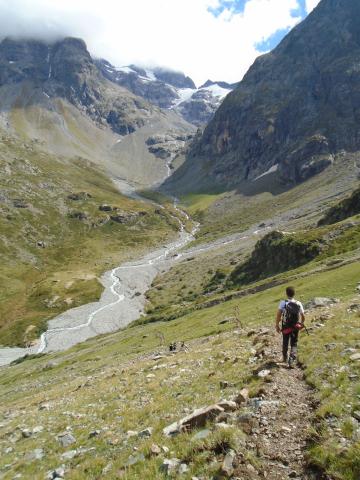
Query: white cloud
(311, 4)
(180, 34)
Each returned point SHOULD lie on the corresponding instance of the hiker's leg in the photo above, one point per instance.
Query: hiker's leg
(286, 338)
(293, 343)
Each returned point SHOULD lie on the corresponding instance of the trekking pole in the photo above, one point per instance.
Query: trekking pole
(306, 330)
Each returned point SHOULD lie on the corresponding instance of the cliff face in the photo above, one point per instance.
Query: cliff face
(295, 108)
(66, 69)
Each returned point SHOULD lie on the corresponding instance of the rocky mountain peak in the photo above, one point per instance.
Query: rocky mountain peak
(169, 90)
(176, 79)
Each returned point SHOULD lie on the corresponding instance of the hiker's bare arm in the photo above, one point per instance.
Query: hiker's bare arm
(278, 320)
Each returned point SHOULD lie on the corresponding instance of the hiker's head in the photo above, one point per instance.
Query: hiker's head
(290, 292)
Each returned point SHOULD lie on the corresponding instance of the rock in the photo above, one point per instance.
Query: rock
(49, 365)
(354, 308)
(247, 422)
(356, 415)
(107, 469)
(221, 425)
(19, 203)
(227, 467)
(155, 449)
(94, 433)
(224, 384)
(183, 468)
(228, 405)
(69, 455)
(355, 357)
(264, 373)
(242, 397)
(293, 474)
(37, 454)
(195, 420)
(105, 208)
(330, 346)
(134, 459)
(44, 406)
(38, 429)
(26, 433)
(201, 435)
(146, 433)
(57, 473)
(132, 433)
(319, 302)
(78, 215)
(79, 196)
(170, 466)
(66, 439)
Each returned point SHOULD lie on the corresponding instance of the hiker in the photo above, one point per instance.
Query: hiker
(291, 314)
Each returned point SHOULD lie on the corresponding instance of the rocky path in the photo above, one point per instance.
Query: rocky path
(281, 420)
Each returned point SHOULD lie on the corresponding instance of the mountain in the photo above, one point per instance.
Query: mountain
(295, 111)
(55, 93)
(65, 69)
(170, 90)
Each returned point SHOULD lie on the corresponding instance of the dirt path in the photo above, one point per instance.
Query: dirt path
(282, 419)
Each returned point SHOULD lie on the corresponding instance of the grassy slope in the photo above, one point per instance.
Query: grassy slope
(230, 212)
(108, 388)
(198, 280)
(38, 283)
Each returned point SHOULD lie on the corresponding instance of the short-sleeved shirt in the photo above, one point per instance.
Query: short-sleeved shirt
(283, 303)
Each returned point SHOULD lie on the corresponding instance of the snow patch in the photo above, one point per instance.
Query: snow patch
(272, 169)
(217, 91)
(150, 74)
(125, 70)
(184, 95)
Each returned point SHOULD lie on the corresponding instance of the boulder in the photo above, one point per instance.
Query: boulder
(227, 467)
(155, 449)
(196, 419)
(228, 405)
(242, 397)
(355, 357)
(66, 439)
(134, 459)
(105, 208)
(170, 466)
(319, 302)
(146, 433)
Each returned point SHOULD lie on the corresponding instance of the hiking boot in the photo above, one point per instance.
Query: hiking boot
(292, 360)
(285, 358)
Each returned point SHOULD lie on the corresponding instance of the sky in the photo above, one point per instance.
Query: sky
(206, 39)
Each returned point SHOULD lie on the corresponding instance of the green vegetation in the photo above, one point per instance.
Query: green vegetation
(55, 241)
(275, 253)
(336, 380)
(346, 208)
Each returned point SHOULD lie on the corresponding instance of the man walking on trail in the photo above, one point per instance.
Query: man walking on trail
(291, 314)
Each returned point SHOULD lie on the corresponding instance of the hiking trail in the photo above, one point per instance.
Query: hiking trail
(283, 419)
